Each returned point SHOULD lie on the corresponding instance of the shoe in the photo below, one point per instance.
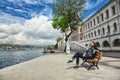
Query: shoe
(76, 66)
(70, 61)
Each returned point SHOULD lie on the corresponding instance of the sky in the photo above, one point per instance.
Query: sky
(29, 22)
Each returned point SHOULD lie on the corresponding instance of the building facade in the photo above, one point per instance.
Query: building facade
(103, 27)
(77, 34)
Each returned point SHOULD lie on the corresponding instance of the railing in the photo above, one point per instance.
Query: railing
(76, 46)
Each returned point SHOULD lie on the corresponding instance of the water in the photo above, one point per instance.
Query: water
(12, 57)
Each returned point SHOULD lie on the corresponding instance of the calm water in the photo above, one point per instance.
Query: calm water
(12, 57)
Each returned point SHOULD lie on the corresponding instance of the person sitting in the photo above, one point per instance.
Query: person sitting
(85, 56)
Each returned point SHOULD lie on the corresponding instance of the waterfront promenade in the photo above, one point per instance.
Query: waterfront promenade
(54, 67)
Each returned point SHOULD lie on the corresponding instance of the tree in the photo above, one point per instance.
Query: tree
(57, 40)
(67, 15)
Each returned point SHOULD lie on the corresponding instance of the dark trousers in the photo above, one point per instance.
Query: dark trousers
(79, 55)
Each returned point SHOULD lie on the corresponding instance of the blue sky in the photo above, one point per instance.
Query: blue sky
(29, 21)
(93, 6)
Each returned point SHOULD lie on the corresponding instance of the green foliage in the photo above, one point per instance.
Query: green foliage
(58, 39)
(60, 23)
(51, 47)
(66, 14)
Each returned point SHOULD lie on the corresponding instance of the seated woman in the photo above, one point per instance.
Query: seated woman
(88, 55)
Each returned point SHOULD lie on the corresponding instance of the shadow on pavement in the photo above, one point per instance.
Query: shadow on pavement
(112, 54)
(84, 66)
(107, 63)
(73, 67)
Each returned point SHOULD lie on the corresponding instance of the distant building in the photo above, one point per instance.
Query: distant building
(77, 34)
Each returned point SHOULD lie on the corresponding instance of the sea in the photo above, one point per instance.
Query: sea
(12, 57)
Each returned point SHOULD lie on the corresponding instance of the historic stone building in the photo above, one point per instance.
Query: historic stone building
(103, 27)
(77, 34)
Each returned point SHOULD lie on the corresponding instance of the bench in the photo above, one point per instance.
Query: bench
(94, 62)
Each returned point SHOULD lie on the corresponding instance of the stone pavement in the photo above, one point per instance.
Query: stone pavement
(54, 67)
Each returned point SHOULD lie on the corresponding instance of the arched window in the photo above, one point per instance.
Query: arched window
(91, 34)
(86, 36)
(105, 44)
(107, 14)
(102, 17)
(103, 31)
(116, 43)
(86, 44)
(91, 23)
(113, 10)
(95, 33)
(88, 25)
(98, 44)
(98, 31)
(115, 27)
(94, 22)
(108, 27)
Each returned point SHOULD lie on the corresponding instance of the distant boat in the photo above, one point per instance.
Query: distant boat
(48, 51)
(45, 51)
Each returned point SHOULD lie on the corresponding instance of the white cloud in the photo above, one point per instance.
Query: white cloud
(8, 19)
(37, 31)
(92, 3)
(48, 1)
(32, 1)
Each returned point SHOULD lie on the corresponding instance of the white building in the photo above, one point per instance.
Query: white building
(103, 27)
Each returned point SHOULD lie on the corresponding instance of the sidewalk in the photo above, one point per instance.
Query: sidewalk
(54, 67)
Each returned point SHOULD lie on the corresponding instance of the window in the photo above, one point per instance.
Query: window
(94, 21)
(91, 23)
(98, 44)
(108, 27)
(86, 36)
(113, 10)
(102, 17)
(81, 38)
(95, 33)
(103, 31)
(86, 44)
(91, 34)
(116, 43)
(115, 27)
(119, 5)
(107, 14)
(98, 32)
(88, 26)
(105, 44)
(98, 19)
(80, 29)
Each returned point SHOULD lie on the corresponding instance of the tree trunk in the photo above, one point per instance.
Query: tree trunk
(66, 39)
